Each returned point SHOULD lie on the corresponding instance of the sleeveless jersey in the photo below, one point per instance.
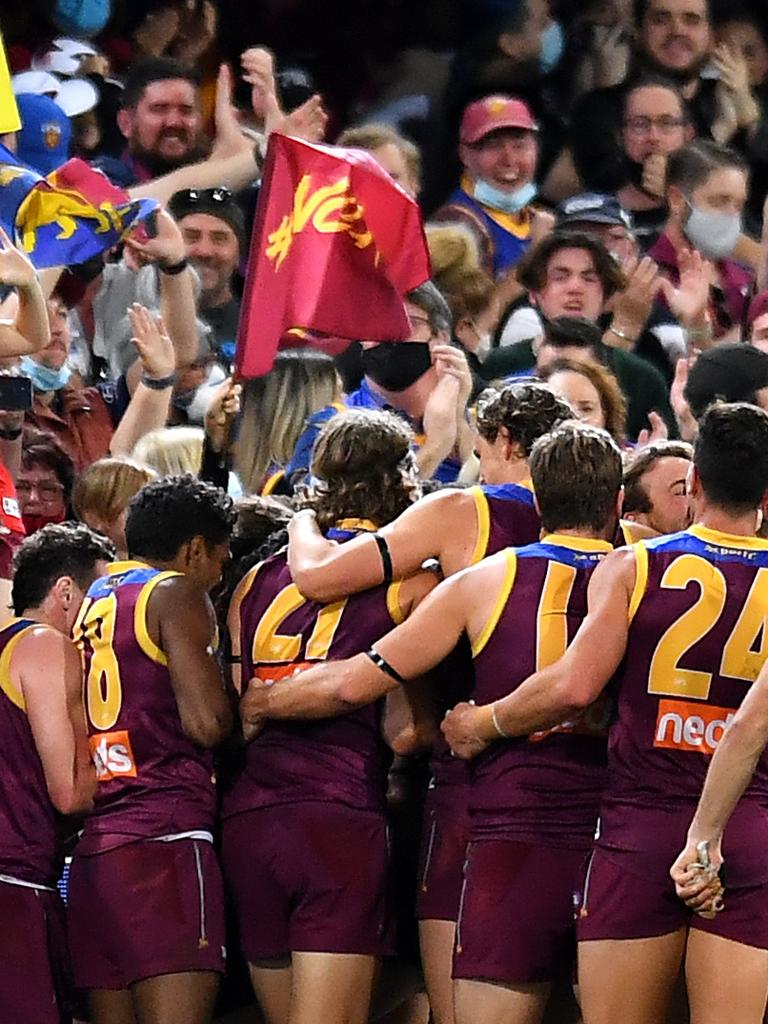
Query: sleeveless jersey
(546, 787)
(506, 517)
(28, 848)
(698, 637)
(343, 759)
(153, 780)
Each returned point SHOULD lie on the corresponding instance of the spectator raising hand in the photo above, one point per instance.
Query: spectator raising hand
(29, 332)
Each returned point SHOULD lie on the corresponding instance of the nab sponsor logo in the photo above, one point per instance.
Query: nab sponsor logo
(112, 755)
(684, 725)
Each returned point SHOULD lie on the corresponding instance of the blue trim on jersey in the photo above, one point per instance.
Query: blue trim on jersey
(108, 584)
(508, 492)
(341, 535)
(686, 543)
(574, 557)
(10, 631)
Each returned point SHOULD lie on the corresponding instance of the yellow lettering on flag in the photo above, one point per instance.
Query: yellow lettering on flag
(9, 112)
(329, 209)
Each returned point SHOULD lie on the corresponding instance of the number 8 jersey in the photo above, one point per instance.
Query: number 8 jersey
(697, 641)
(153, 780)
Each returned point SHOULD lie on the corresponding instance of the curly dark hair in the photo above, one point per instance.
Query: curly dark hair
(368, 471)
(525, 409)
(56, 550)
(167, 513)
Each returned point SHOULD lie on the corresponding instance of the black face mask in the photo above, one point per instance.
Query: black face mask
(395, 365)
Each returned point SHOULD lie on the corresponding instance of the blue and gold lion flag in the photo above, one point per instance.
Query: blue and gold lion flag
(73, 214)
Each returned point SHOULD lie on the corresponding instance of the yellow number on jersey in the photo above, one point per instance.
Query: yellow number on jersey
(103, 687)
(551, 621)
(269, 645)
(739, 661)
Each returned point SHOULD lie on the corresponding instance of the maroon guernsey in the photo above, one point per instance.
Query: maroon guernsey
(153, 780)
(697, 640)
(343, 759)
(544, 788)
(28, 849)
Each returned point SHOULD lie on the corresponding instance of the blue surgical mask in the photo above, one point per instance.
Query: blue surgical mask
(43, 377)
(504, 202)
(552, 45)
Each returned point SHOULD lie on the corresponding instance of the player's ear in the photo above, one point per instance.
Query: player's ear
(64, 592)
(693, 481)
(195, 550)
(620, 504)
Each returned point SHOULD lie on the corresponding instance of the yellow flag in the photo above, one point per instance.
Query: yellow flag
(9, 113)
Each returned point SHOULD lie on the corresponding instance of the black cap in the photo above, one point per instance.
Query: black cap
(218, 202)
(592, 208)
(729, 373)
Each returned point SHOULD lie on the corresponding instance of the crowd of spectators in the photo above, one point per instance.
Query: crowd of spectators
(592, 177)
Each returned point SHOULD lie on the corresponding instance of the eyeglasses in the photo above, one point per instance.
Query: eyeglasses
(640, 125)
(46, 491)
(195, 196)
(415, 321)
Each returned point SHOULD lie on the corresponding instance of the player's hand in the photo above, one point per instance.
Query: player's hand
(460, 730)
(222, 410)
(166, 248)
(655, 175)
(16, 270)
(253, 708)
(698, 885)
(151, 339)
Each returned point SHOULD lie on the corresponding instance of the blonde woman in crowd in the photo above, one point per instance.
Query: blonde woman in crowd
(102, 492)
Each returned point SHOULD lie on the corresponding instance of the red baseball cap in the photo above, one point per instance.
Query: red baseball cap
(494, 112)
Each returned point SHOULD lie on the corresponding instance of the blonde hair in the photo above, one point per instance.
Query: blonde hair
(104, 489)
(276, 408)
(374, 135)
(453, 252)
(171, 451)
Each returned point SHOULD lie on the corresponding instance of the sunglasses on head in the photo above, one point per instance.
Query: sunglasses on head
(193, 196)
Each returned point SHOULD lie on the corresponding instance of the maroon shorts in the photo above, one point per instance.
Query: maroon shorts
(441, 872)
(145, 909)
(517, 921)
(619, 903)
(309, 877)
(35, 982)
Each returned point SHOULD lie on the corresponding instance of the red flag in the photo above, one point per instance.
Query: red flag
(336, 245)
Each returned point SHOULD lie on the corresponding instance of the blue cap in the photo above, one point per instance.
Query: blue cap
(45, 136)
(592, 208)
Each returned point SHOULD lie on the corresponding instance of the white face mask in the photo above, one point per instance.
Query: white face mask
(484, 344)
(714, 234)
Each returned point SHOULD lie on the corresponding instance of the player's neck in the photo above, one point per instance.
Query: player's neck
(587, 534)
(719, 521)
(46, 615)
(515, 471)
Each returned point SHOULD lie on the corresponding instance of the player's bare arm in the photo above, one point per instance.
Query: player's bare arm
(730, 772)
(48, 672)
(185, 625)
(325, 571)
(464, 601)
(568, 686)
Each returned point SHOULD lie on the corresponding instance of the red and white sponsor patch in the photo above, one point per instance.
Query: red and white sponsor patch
(112, 755)
(691, 726)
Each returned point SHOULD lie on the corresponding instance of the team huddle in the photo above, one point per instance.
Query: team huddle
(590, 667)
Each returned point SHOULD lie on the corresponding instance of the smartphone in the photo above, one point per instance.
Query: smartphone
(15, 393)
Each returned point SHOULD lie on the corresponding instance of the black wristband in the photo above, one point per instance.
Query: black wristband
(174, 268)
(379, 662)
(158, 383)
(11, 435)
(386, 560)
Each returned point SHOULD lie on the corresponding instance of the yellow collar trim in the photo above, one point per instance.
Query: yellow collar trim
(356, 524)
